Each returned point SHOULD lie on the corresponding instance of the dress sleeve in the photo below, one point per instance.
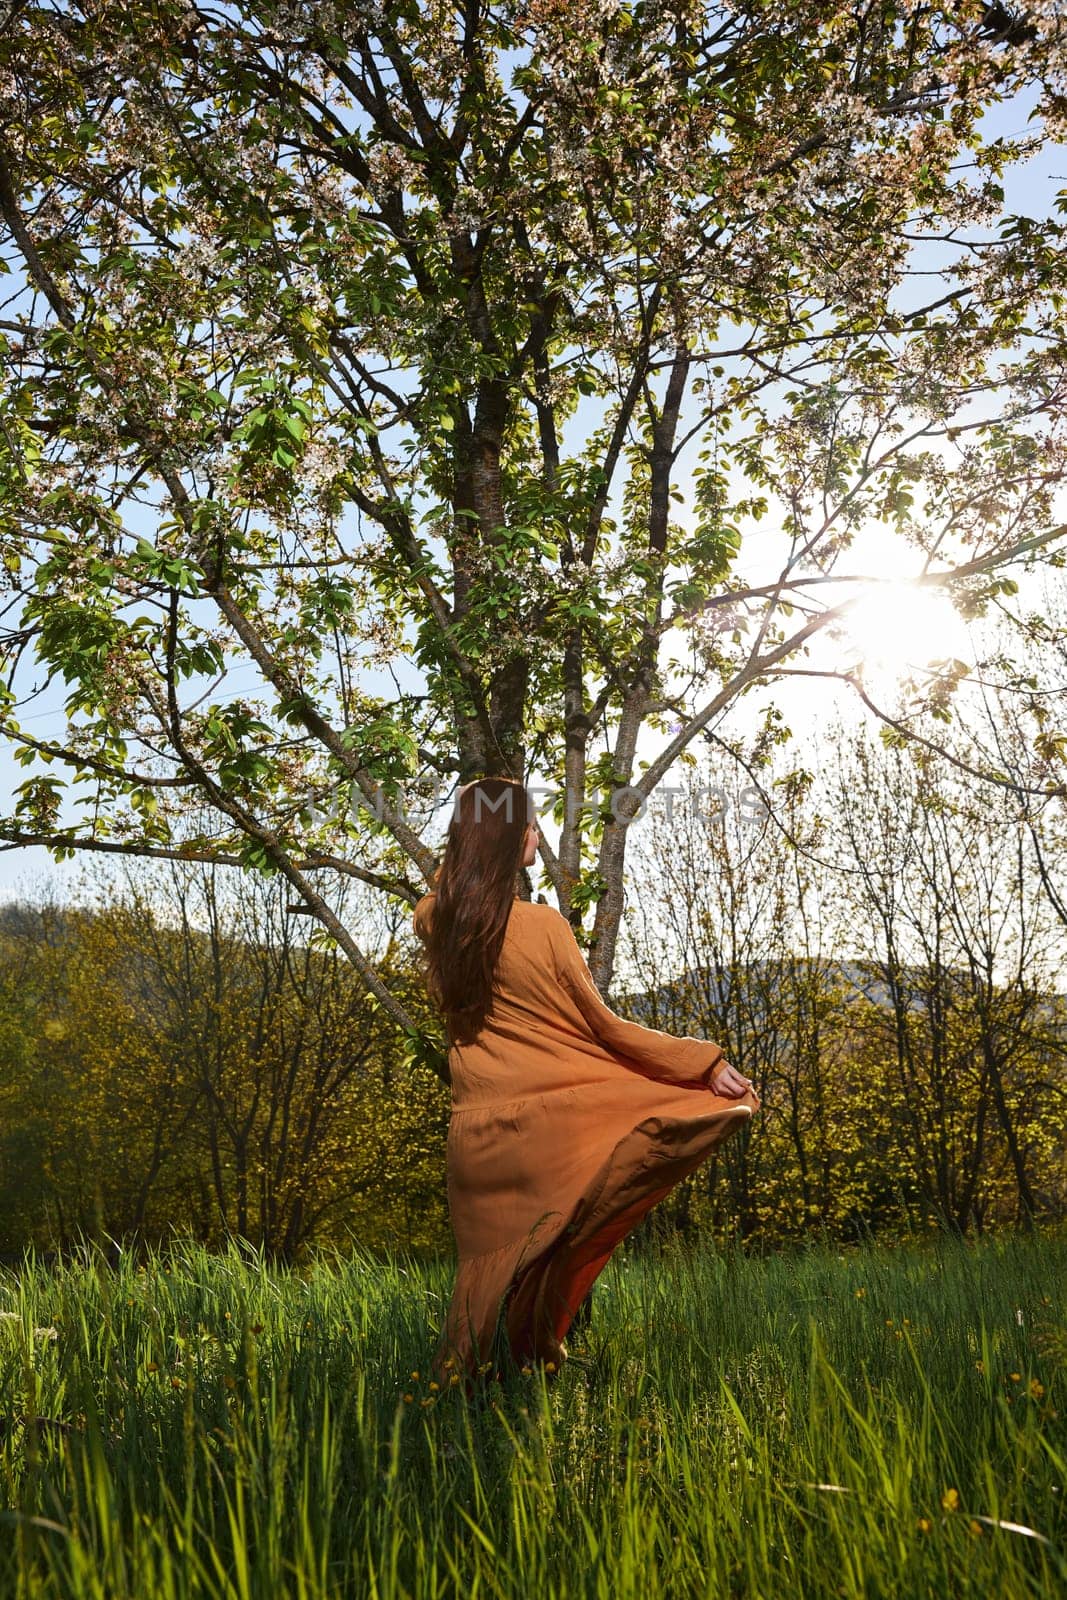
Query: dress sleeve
(658, 1055)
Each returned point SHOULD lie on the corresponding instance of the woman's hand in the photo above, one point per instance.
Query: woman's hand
(730, 1083)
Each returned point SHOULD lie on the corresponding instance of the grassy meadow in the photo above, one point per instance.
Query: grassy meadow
(870, 1422)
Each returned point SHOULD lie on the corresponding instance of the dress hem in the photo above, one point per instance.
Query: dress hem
(526, 1299)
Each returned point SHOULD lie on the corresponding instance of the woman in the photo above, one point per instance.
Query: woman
(568, 1123)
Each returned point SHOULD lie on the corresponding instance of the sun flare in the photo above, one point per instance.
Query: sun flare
(895, 627)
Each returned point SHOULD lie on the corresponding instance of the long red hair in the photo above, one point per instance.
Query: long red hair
(474, 892)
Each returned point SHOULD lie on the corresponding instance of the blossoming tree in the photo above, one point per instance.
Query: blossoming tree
(341, 331)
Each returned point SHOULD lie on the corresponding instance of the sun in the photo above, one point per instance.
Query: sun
(896, 627)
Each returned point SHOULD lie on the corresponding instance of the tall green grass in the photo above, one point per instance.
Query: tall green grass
(811, 1424)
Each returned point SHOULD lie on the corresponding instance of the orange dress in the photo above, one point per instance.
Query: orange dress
(568, 1124)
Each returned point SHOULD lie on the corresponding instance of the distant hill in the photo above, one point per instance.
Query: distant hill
(763, 980)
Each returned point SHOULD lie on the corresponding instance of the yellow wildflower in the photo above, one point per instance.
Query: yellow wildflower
(923, 1524)
(408, 1398)
(1014, 1376)
(434, 1385)
(974, 1527)
(1037, 1388)
(950, 1500)
(980, 1365)
(860, 1293)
